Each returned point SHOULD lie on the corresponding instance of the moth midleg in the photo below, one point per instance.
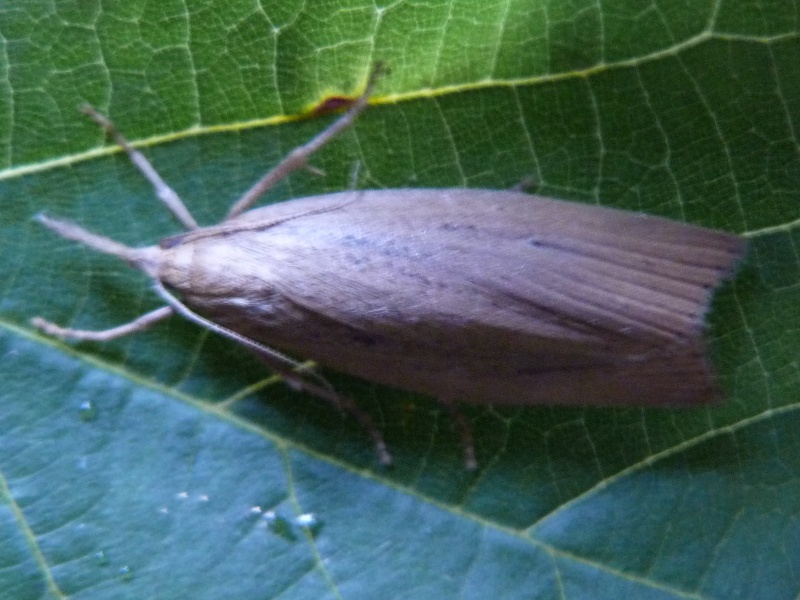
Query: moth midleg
(164, 192)
(298, 158)
(277, 360)
(290, 370)
(464, 431)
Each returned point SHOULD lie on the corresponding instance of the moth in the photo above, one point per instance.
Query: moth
(467, 295)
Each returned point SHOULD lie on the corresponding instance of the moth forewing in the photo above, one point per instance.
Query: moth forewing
(478, 296)
(429, 291)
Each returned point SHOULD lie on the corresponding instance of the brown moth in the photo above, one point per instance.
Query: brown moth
(477, 296)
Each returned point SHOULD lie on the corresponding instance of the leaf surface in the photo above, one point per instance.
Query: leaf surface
(149, 468)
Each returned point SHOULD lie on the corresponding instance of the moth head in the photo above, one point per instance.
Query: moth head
(213, 270)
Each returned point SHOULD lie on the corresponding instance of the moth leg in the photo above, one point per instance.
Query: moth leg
(165, 193)
(354, 172)
(83, 335)
(298, 158)
(275, 359)
(464, 433)
(138, 257)
(287, 368)
(529, 185)
(346, 405)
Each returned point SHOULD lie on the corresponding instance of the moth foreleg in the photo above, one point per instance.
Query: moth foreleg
(139, 257)
(164, 192)
(298, 158)
(104, 335)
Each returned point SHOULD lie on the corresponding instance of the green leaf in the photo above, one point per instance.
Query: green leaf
(147, 468)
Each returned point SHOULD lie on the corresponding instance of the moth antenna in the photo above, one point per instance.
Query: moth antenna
(164, 192)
